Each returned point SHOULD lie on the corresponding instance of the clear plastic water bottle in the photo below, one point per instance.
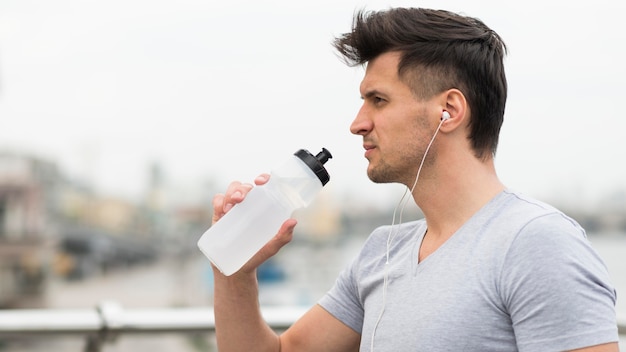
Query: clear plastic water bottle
(249, 225)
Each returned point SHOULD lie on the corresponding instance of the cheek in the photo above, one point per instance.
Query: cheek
(409, 143)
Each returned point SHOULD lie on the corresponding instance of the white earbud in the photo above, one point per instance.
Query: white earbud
(445, 115)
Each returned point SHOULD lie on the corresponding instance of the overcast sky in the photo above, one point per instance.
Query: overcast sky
(226, 90)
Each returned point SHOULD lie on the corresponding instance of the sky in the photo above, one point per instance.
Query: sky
(223, 90)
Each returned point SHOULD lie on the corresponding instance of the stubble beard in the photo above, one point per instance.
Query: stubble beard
(384, 172)
(404, 171)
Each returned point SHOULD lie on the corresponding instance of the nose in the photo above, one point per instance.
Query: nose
(361, 125)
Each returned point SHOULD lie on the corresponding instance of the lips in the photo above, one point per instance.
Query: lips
(369, 148)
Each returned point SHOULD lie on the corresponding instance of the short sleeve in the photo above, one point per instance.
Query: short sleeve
(557, 288)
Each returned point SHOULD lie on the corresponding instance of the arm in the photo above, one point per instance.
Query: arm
(318, 330)
(238, 320)
(607, 347)
(240, 327)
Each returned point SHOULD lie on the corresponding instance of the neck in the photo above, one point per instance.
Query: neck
(449, 197)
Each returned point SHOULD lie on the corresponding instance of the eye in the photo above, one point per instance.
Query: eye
(375, 98)
(378, 100)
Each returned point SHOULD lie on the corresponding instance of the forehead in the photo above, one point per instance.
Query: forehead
(381, 73)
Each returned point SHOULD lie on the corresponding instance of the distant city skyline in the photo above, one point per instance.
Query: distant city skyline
(221, 91)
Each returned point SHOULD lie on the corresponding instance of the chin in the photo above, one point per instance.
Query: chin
(382, 174)
(377, 177)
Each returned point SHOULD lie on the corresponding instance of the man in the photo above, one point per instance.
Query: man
(487, 269)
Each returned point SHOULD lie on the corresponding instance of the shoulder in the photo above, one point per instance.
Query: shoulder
(529, 208)
(522, 216)
(544, 238)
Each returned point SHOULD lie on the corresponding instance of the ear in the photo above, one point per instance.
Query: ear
(454, 102)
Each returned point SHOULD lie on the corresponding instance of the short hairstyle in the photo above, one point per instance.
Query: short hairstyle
(439, 50)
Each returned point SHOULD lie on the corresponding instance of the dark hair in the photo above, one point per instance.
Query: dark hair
(439, 50)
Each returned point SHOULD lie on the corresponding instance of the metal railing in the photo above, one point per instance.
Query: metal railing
(109, 320)
(106, 322)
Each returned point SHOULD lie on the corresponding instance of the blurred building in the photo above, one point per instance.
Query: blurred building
(99, 233)
(53, 226)
(27, 196)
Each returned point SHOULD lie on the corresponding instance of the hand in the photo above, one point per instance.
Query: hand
(236, 193)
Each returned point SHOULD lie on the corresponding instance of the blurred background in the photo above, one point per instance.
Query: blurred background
(120, 119)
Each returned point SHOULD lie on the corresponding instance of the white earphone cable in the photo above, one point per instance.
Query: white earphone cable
(403, 202)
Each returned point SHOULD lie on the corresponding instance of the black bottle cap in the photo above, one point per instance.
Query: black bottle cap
(316, 163)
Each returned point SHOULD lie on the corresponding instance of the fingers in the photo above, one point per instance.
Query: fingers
(223, 202)
(262, 179)
(235, 193)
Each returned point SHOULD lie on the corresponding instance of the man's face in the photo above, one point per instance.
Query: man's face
(395, 126)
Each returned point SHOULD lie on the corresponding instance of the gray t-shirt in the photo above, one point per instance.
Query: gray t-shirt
(518, 276)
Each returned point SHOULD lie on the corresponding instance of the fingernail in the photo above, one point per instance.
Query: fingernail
(227, 207)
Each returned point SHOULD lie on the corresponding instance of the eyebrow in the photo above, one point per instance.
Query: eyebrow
(371, 93)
